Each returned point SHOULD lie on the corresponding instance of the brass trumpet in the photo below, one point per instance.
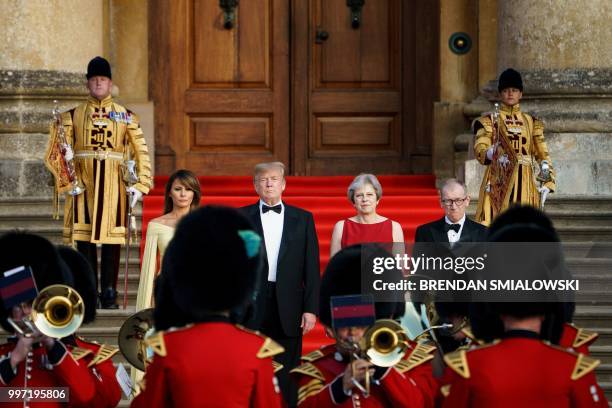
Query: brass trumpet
(385, 343)
(132, 335)
(57, 312)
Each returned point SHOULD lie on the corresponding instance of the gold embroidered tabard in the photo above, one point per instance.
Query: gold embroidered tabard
(525, 135)
(100, 133)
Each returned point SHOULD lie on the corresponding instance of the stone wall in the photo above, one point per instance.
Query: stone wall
(26, 102)
(44, 54)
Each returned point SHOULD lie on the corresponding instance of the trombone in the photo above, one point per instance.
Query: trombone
(57, 312)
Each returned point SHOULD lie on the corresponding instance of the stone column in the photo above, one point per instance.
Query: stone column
(458, 83)
(45, 50)
(129, 55)
(562, 50)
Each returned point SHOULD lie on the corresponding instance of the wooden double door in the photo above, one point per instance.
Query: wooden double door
(293, 81)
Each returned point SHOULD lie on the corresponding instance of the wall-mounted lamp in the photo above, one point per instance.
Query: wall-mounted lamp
(460, 43)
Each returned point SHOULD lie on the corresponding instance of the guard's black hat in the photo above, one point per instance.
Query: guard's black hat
(525, 215)
(446, 310)
(342, 277)
(211, 265)
(526, 224)
(510, 78)
(99, 67)
(84, 280)
(25, 249)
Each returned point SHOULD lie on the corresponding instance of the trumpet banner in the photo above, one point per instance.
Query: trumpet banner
(55, 162)
(503, 168)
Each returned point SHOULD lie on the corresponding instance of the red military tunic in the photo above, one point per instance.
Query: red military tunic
(212, 364)
(89, 385)
(577, 338)
(408, 384)
(448, 376)
(522, 371)
(99, 360)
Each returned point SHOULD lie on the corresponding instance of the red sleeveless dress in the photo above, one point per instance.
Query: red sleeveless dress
(356, 233)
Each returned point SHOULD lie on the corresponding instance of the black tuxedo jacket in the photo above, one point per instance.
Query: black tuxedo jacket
(297, 274)
(434, 232)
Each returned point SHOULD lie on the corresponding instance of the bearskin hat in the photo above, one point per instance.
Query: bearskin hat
(525, 224)
(167, 313)
(84, 280)
(342, 277)
(99, 66)
(25, 249)
(510, 78)
(211, 265)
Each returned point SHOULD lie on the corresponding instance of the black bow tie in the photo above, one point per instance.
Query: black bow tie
(454, 227)
(277, 208)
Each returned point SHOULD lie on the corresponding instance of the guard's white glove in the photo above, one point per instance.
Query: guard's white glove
(135, 195)
(68, 153)
(543, 194)
(503, 160)
(490, 152)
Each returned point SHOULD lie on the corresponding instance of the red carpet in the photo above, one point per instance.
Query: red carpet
(409, 200)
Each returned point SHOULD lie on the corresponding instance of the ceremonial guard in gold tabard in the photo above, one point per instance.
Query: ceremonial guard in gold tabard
(101, 136)
(511, 144)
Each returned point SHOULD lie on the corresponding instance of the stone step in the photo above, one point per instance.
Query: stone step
(607, 389)
(589, 266)
(54, 234)
(131, 296)
(605, 334)
(587, 249)
(605, 385)
(112, 318)
(593, 298)
(594, 283)
(564, 218)
(604, 373)
(31, 221)
(597, 233)
(578, 204)
(133, 280)
(42, 206)
(41, 223)
(602, 353)
(588, 316)
(560, 204)
(106, 335)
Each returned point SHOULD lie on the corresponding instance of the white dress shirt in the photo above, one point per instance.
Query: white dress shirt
(453, 236)
(272, 224)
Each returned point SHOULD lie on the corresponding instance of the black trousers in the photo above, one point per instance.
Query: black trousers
(272, 327)
(109, 270)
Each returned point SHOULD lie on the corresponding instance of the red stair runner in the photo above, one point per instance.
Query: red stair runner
(410, 200)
